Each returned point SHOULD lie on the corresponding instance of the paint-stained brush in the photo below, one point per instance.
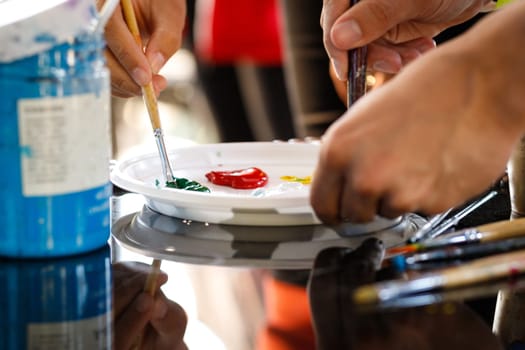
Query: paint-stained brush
(150, 99)
(484, 233)
(481, 270)
(452, 254)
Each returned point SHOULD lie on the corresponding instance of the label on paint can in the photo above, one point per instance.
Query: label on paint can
(49, 140)
(82, 334)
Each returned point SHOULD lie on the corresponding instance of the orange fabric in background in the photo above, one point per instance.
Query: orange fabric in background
(242, 30)
(288, 321)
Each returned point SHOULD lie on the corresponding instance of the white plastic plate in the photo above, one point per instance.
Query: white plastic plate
(276, 204)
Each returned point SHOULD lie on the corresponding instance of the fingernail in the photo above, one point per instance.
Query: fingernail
(347, 33)
(339, 71)
(140, 76)
(426, 46)
(143, 303)
(157, 61)
(161, 308)
(383, 66)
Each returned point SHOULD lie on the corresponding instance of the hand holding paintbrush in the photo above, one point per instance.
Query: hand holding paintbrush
(150, 99)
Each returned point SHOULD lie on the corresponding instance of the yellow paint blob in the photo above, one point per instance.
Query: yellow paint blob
(304, 180)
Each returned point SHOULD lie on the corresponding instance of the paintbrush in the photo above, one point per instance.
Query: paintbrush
(477, 291)
(441, 223)
(472, 273)
(452, 253)
(148, 94)
(150, 100)
(356, 83)
(485, 233)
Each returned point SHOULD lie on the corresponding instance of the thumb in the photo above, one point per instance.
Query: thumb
(367, 21)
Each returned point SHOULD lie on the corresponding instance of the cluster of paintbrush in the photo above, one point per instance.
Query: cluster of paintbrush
(467, 257)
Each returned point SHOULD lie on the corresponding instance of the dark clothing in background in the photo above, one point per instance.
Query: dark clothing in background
(315, 104)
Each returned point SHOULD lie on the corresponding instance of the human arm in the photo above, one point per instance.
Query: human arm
(161, 24)
(397, 32)
(435, 135)
(159, 321)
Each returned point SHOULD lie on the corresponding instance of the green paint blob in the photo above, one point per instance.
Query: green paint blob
(185, 184)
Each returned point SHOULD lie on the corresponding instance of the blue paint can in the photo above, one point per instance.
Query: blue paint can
(54, 133)
(61, 303)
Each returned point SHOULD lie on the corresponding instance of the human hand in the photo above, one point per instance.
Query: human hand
(396, 32)
(159, 322)
(161, 24)
(339, 324)
(436, 135)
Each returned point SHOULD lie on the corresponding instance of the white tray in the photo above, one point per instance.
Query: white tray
(279, 203)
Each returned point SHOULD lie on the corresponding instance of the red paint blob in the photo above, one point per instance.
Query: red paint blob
(241, 179)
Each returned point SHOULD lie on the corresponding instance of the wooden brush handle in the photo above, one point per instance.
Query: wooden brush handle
(502, 230)
(485, 269)
(478, 271)
(516, 171)
(150, 99)
(150, 286)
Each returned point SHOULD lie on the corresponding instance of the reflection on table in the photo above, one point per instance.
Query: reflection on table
(275, 247)
(62, 303)
(437, 318)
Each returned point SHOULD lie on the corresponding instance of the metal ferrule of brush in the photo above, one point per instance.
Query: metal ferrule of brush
(426, 230)
(461, 237)
(159, 139)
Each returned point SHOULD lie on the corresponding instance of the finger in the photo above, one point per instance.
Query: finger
(390, 58)
(367, 21)
(169, 321)
(131, 324)
(332, 9)
(159, 83)
(384, 59)
(126, 287)
(166, 34)
(128, 281)
(359, 203)
(325, 194)
(406, 195)
(392, 208)
(121, 83)
(126, 50)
